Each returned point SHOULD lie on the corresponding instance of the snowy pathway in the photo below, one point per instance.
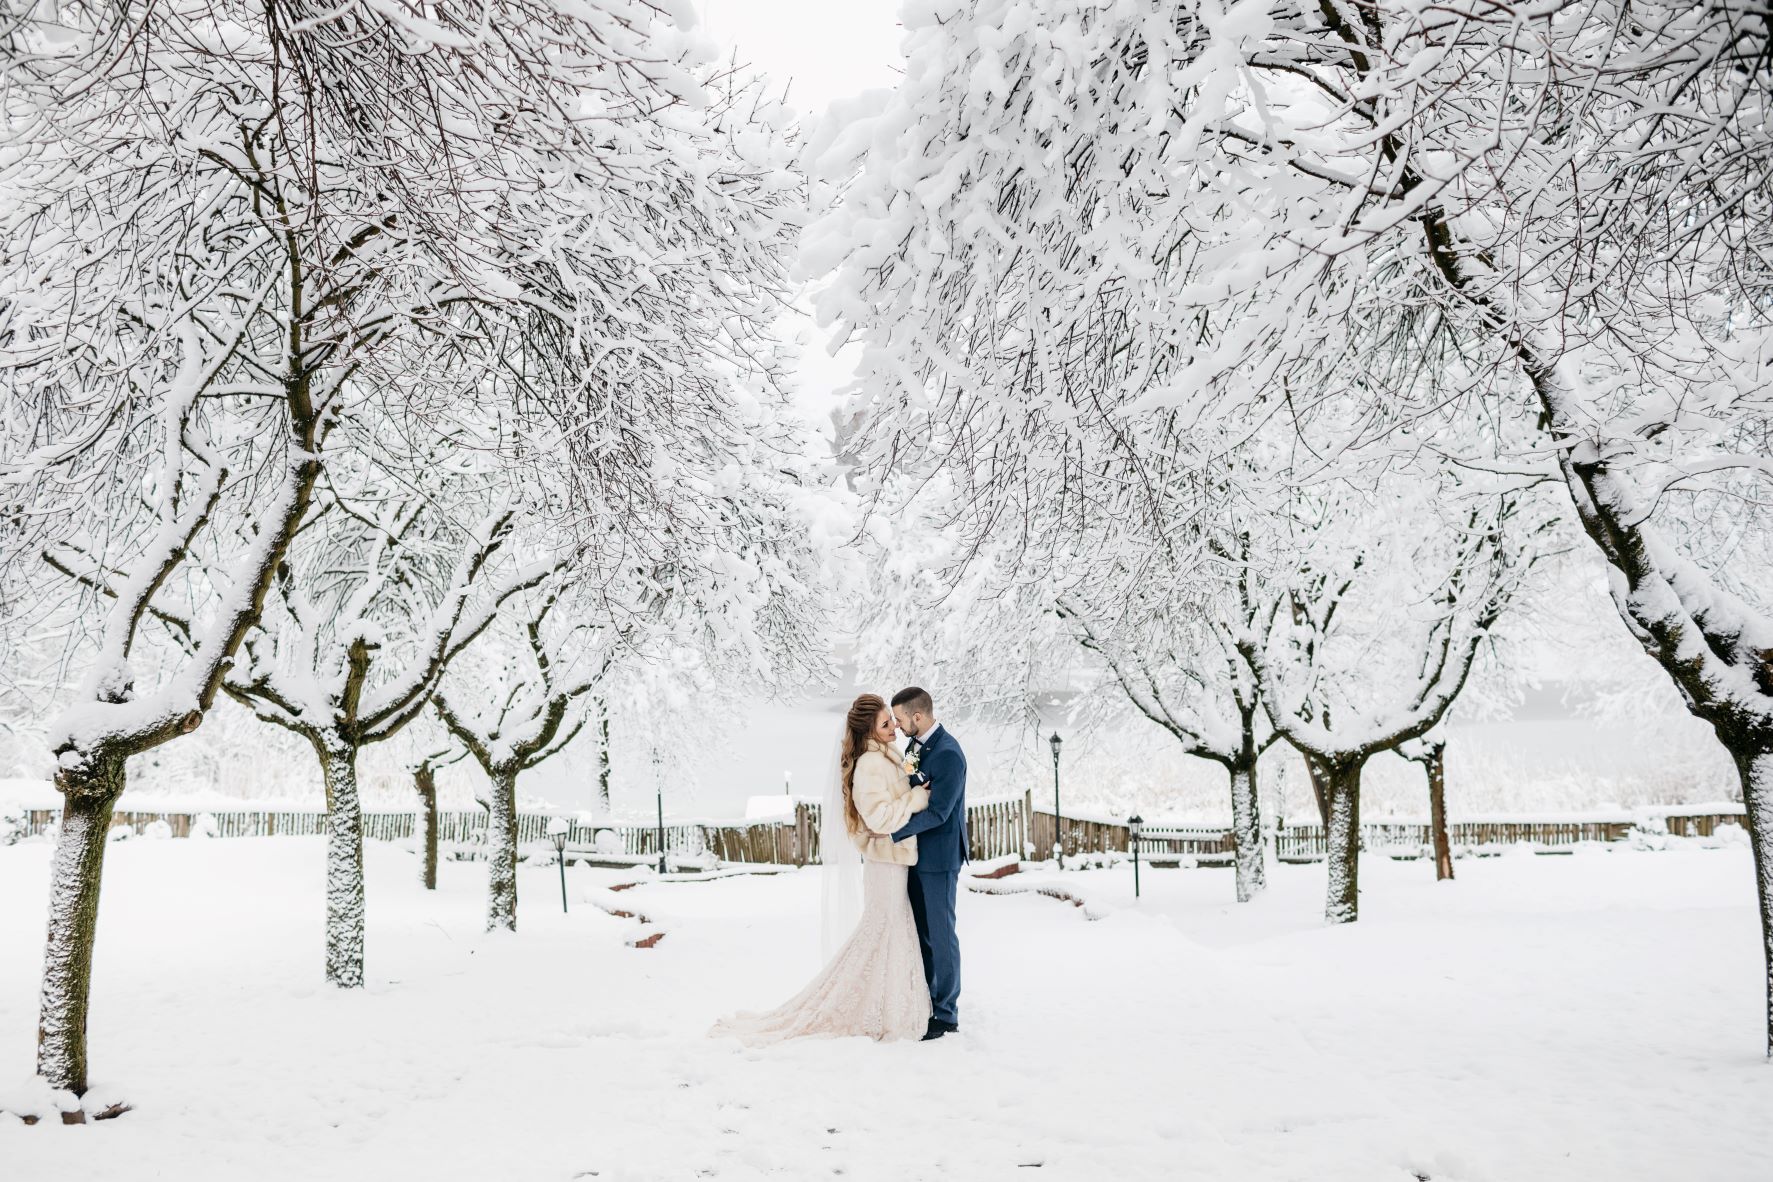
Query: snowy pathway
(1550, 1018)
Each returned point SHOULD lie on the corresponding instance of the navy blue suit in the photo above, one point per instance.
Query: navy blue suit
(941, 832)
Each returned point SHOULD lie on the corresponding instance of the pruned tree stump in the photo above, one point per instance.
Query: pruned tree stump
(76, 1116)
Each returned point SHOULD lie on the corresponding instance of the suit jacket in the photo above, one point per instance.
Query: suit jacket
(941, 829)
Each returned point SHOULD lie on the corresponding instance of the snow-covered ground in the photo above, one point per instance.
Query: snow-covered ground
(1584, 1017)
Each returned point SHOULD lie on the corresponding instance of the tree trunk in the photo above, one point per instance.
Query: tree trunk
(1342, 785)
(1434, 761)
(344, 864)
(603, 756)
(501, 852)
(424, 781)
(1246, 829)
(1319, 792)
(1755, 766)
(89, 797)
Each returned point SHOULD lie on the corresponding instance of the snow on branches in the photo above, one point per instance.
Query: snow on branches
(1240, 214)
(232, 234)
(528, 711)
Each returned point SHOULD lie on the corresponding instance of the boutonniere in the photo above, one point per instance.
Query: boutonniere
(909, 763)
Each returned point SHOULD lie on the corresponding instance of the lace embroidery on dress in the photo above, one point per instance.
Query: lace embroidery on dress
(873, 986)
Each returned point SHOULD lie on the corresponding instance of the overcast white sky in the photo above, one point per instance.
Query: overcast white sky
(821, 50)
(827, 48)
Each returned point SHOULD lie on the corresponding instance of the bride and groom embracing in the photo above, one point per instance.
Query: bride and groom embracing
(896, 824)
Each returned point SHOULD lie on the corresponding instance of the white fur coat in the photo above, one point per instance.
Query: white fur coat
(885, 800)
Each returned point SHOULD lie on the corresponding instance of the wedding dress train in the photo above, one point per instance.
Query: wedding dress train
(874, 985)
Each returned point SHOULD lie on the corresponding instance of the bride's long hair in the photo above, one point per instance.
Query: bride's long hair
(857, 726)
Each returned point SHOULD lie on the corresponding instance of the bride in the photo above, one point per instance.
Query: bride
(874, 984)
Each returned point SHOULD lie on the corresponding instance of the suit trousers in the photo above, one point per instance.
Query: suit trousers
(932, 905)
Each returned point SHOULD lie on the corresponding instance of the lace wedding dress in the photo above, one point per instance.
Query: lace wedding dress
(874, 985)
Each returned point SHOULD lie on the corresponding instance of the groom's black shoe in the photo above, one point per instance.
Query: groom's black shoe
(938, 1028)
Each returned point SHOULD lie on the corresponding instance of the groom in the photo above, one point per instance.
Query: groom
(941, 831)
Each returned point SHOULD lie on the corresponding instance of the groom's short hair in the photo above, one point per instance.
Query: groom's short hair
(916, 700)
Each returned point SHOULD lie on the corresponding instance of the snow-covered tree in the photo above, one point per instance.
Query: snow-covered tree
(528, 711)
(173, 345)
(432, 759)
(1372, 632)
(600, 711)
(1129, 614)
(1565, 208)
(1430, 751)
(228, 226)
(1177, 664)
(362, 632)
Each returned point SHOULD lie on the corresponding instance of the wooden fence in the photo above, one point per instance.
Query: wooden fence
(1305, 843)
(1011, 827)
(1076, 835)
(1699, 824)
(1205, 844)
(996, 828)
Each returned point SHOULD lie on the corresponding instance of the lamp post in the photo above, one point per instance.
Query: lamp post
(1058, 839)
(1134, 824)
(558, 829)
(659, 797)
